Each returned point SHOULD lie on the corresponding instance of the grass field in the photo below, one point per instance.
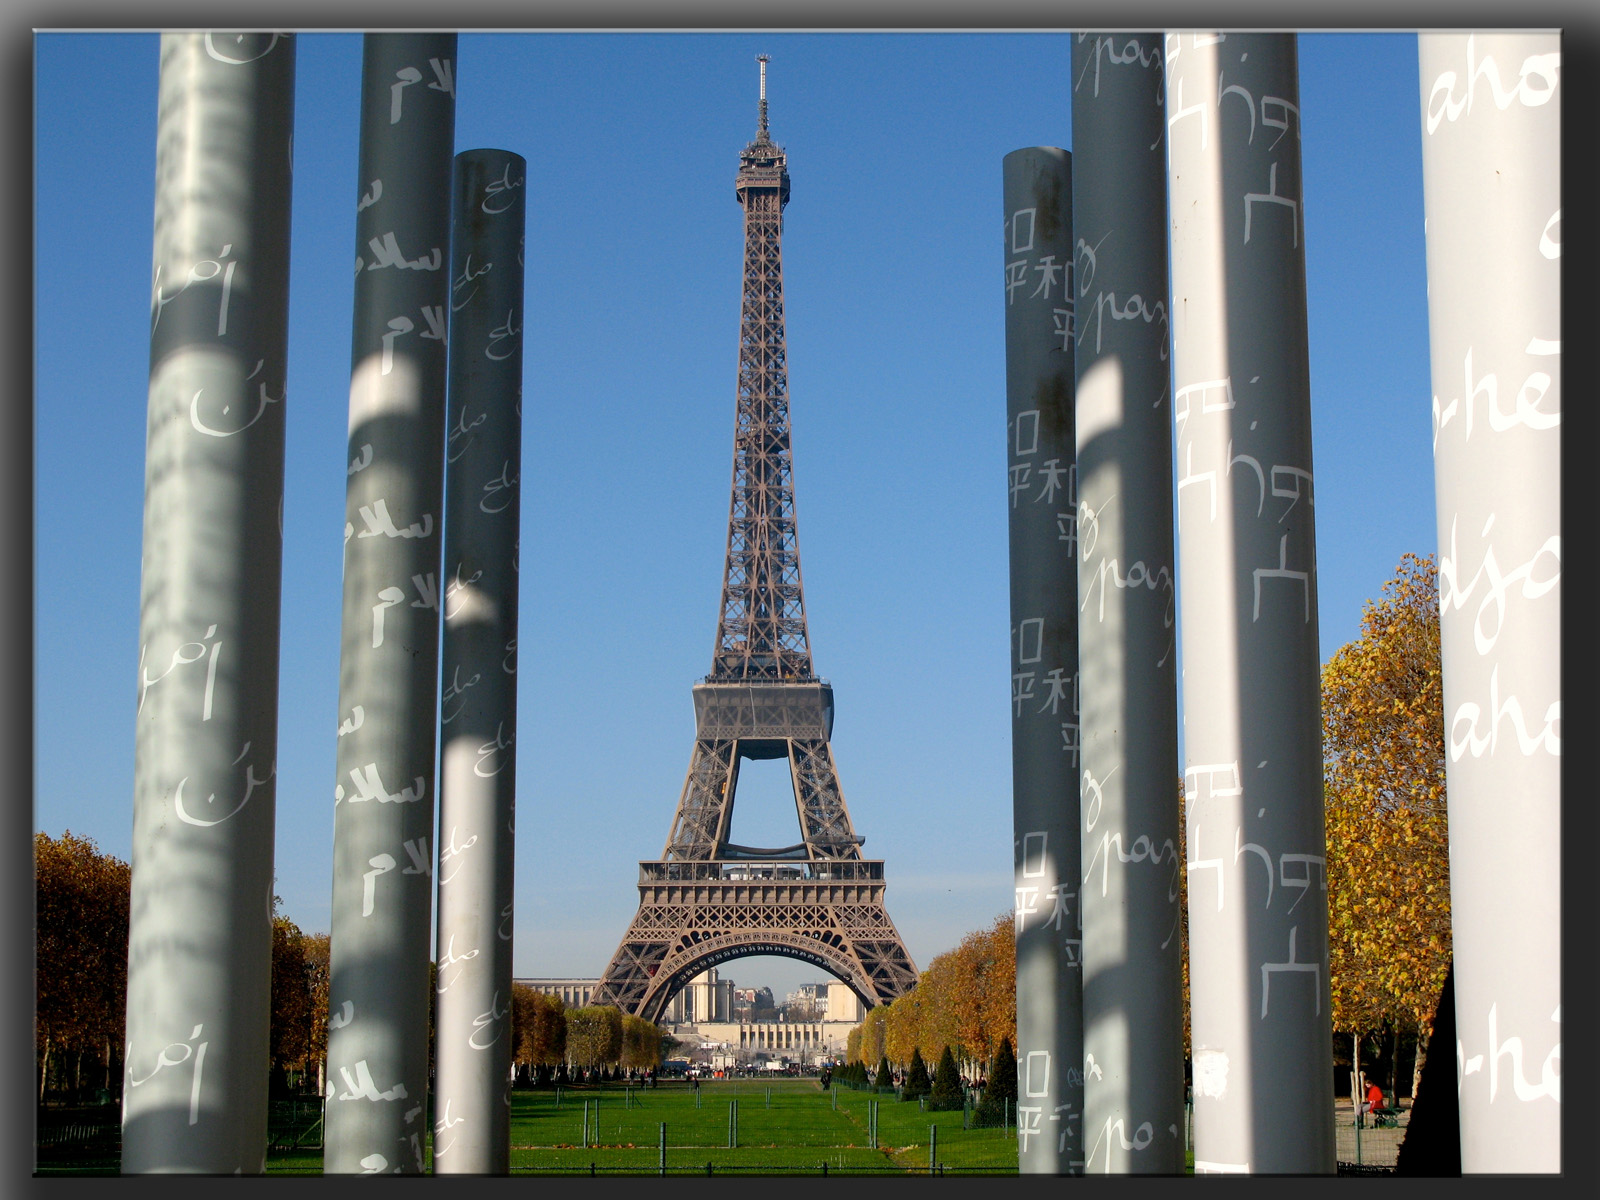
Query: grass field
(784, 1127)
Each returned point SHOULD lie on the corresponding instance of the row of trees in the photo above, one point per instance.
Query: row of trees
(966, 1000)
(1387, 834)
(81, 969)
(1388, 865)
(945, 1089)
(81, 957)
(548, 1037)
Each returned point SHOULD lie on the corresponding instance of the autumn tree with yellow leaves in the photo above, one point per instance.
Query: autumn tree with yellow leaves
(966, 1000)
(80, 962)
(1384, 775)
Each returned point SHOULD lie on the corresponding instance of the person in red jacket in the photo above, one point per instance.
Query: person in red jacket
(1374, 1100)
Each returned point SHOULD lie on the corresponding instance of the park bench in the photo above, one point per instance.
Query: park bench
(1387, 1117)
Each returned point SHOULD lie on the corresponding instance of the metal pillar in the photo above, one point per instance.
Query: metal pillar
(388, 672)
(1132, 952)
(1258, 929)
(478, 712)
(200, 935)
(1041, 500)
(1491, 159)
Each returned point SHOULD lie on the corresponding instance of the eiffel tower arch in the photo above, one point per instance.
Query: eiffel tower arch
(707, 900)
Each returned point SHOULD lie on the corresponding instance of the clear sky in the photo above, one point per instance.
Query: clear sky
(894, 294)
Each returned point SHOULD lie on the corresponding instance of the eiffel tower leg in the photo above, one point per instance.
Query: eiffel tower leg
(824, 820)
(699, 826)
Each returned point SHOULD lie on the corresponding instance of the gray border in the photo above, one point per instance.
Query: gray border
(1581, 45)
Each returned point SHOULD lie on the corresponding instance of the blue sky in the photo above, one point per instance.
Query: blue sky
(893, 278)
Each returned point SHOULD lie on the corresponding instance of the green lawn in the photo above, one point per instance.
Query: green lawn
(784, 1127)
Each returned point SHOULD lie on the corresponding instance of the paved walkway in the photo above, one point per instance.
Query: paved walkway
(1367, 1146)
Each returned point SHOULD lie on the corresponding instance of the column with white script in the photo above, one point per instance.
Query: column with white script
(200, 929)
(1258, 926)
(1132, 952)
(382, 909)
(478, 710)
(1491, 163)
(1037, 184)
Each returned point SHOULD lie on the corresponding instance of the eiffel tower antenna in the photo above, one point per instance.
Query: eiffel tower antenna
(707, 900)
(761, 127)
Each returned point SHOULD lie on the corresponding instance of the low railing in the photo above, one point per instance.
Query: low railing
(830, 870)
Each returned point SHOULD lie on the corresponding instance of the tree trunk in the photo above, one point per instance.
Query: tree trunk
(44, 1070)
(1416, 1063)
(1394, 1064)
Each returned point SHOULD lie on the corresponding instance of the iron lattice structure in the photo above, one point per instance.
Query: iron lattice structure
(707, 900)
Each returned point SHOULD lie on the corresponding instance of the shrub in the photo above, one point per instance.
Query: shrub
(885, 1078)
(1001, 1088)
(917, 1082)
(946, 1093)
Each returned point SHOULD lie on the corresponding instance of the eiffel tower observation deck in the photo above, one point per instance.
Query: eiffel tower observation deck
(706, 900)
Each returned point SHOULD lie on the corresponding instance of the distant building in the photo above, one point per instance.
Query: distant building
(574, 993)
(829, 1000)
(706, 998)
(719, 1017)
(831, 1011)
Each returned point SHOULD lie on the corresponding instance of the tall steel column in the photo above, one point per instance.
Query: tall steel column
(1258, 928)
(200, 936)
(389, 669)
(478, 712)
(1132, 951)
(1491, 159)
(1041, 500)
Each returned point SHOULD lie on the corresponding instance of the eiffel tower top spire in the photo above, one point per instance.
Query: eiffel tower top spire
(761, 128)
(761, 629)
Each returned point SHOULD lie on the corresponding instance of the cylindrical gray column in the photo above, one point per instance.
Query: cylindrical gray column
(200, 931)
(1041, 500)
(478, 713)
(382, 912)
(1258, 926)
(1127, 653)
(1491, 155)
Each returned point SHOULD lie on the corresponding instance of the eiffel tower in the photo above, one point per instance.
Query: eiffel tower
(706, 900)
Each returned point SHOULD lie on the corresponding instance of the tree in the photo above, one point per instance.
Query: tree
(947, 1093)
(1388, 869)
(549, 1033)
(885, 1077)
(289, 1044)
(1001, 1090)
(873, 1042)
(315, 947)
(81, 899)
(942, 988)
(641, 1043)
(988, 1014)
(917, 1082)
(804, 1010)
(903, 1026)
(538, 1031)
(594, 1035)
(966, 999)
